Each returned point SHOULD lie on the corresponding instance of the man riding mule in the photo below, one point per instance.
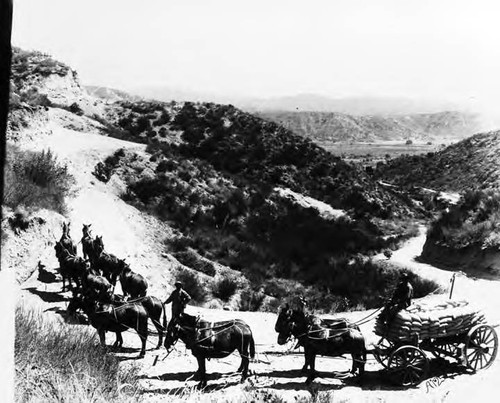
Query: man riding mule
(212, 340)
(320, 337)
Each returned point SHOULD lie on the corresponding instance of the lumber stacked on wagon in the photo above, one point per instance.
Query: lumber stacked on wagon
(445, 318)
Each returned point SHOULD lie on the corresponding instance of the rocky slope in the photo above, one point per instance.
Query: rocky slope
(338, 127)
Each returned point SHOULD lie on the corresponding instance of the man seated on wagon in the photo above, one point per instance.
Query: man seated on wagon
(401, 299)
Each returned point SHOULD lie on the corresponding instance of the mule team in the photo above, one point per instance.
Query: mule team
(95, 276)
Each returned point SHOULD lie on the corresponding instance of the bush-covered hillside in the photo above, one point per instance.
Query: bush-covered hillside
(472, 163)
(467, 237)
(238, 144)
(475, 222)
(249, 226)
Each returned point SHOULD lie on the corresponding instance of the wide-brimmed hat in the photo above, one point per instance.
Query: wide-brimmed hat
(178, 284)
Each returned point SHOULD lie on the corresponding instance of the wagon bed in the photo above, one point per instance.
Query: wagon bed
(452, 329)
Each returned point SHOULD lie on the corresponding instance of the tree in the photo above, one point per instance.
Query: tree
(409, 142)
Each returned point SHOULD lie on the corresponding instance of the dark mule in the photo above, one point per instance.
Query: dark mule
(66, 240)
(88, 246)
(109, 318)
(212, 340)
(71, 267)
(154, 308)
(329, 338)
(132, 283)
(95, 286)
(108, 264)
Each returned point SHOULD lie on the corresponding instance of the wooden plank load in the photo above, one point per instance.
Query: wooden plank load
(431, 320)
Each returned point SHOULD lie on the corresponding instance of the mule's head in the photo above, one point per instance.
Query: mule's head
(172, 335)
(59, 248)
(123, 265)
(65, 229)
(284, 324)
(98, 244)
(86, 230)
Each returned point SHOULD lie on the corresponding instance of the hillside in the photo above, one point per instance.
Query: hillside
(472, 163)
(338, 127)
(110, 94)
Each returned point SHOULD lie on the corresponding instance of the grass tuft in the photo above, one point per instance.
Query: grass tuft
(59, 362)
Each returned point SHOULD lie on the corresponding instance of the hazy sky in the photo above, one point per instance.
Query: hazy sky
(432, 49)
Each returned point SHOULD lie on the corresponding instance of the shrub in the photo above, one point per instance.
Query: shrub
(75, 108)
(225, 288)
(251, 300)
(192, 285)
(104, 170)
(36, 180)
(59, 362)
(475, 222)
(192, 260)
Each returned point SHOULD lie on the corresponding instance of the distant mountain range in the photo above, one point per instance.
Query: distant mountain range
(339, 127)
(301, 102)
(348, 105)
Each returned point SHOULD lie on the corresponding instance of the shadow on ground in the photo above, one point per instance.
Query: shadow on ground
(47, 296)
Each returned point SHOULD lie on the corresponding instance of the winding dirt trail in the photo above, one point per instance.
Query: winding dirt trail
(128, 232)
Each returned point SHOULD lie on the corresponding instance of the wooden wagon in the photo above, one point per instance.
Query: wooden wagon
(452, 329)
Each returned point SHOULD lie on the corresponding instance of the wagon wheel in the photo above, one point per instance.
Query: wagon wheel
(481, 347)
(408, 366)
(382, 351)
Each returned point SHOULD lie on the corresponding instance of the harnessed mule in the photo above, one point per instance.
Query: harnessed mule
(109, 318)
(66, 240)
(88, 244)
(212, 340)
(71, 267)
(154, 308)
(329, 338)
(96, 286)
(108, 264)
(133, 283)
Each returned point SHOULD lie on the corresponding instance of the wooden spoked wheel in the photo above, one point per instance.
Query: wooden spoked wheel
(408, 366)
(382, 351)
(480, 347)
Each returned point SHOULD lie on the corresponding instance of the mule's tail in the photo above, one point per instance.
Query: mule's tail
(252, 347)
